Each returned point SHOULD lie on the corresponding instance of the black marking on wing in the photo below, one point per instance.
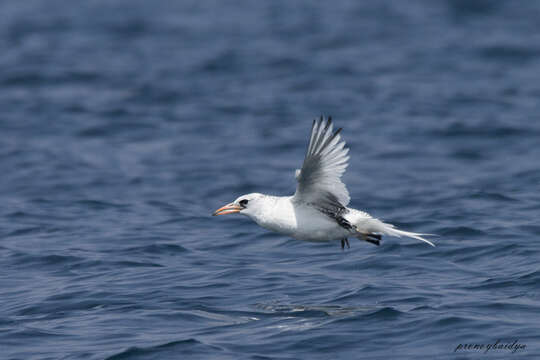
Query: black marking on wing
(344, 223)
(333, 209)
(329, 204)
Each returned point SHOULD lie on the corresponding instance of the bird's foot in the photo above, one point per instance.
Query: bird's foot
(374, 242)
(374, 239)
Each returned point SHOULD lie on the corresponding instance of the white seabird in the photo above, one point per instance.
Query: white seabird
(318, 209)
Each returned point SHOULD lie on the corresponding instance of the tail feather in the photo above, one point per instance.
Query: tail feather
(369, 227)
(399, 233)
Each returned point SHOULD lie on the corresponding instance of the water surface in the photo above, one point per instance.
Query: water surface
(124, 124)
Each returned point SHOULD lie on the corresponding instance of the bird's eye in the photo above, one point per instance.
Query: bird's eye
(243, 202)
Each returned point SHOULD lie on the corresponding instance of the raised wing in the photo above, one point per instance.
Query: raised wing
(319, 180)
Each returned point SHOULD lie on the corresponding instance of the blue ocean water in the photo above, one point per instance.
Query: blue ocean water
(124, 124)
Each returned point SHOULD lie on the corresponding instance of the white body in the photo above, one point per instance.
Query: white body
(284, 215)
(318, 210)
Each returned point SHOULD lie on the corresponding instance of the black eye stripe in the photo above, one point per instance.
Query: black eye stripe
(243, 202)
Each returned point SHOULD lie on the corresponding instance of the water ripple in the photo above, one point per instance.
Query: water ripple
(125, 124)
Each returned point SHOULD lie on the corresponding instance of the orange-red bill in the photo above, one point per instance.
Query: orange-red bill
(227, 209)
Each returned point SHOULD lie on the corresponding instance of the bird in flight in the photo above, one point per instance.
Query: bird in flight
(318, 209)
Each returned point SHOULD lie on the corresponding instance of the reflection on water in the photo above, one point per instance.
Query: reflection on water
(316, 310)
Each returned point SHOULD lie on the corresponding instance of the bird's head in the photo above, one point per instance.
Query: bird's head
(246, 204)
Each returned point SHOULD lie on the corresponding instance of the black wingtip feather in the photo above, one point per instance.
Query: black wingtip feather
(320, 134)
(328, 123)
(330, 139)
(315, 143)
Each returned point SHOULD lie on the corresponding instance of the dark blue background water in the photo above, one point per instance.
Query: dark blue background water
(124, 124)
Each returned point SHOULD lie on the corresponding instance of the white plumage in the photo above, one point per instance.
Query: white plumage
(318, 210)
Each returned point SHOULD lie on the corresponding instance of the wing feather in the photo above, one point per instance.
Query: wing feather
(319, 180)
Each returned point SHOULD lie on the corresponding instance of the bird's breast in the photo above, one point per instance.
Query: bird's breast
(280, 218)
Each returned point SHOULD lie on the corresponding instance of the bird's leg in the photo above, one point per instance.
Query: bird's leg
(343, 242)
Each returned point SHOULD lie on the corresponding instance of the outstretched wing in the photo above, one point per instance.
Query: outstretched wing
(319, 180)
